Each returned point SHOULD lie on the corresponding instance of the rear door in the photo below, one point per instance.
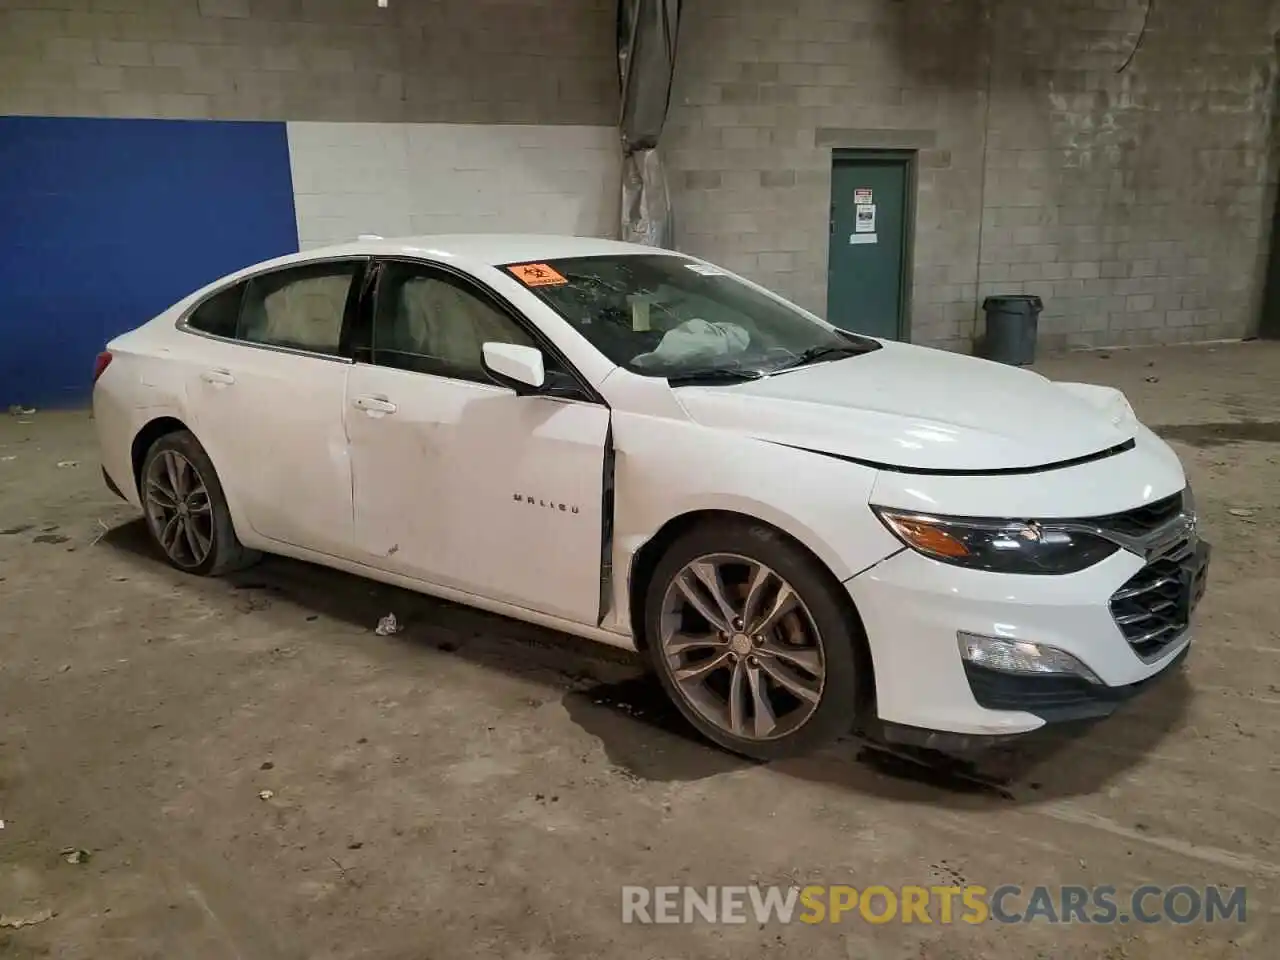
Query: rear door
(268, 400)
(459, 481)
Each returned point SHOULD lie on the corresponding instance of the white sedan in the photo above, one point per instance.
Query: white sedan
(801, 529)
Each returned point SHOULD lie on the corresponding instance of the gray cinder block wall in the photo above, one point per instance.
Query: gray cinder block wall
(417, 61)
(1136, 202)
(422, 117)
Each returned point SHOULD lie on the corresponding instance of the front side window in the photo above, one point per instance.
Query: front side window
(300, 307)
(667, 316)
(428, 321)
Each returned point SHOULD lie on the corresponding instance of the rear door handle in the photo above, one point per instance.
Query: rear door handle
(219, 377)
(374, 405)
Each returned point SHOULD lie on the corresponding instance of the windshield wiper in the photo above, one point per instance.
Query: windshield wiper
(713, 375)
(824, 352)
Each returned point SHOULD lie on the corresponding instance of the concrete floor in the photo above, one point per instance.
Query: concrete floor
(477, 788)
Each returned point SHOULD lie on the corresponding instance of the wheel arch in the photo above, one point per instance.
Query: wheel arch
(644, 563)
(146, 437)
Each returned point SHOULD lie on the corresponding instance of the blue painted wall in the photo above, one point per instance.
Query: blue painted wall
(104, 223)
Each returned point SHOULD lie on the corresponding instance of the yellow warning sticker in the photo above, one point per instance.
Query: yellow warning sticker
(537, 275)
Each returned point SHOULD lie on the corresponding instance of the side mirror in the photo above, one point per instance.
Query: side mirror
(515, 366)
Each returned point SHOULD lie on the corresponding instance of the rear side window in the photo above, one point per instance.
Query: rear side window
(302, 307)
(219, 314)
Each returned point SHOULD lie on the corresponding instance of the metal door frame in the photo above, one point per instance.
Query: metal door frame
(910, 160)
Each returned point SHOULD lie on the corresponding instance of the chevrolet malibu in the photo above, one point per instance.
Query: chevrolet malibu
(803, 530)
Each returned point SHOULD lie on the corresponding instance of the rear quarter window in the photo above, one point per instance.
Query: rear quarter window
(219, 314)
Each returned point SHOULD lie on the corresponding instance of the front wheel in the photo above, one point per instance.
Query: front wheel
(752, 641)
(186, 510)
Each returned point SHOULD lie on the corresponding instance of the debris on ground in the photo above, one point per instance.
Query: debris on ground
(1240, 512)
(266, 794)
(68, 463)
(75, 855)
(101, 533)
(30, 920)
(18, 410)
(12, 456)
(387, 626)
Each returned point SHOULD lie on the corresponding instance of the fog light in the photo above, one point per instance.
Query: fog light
(1021, 657)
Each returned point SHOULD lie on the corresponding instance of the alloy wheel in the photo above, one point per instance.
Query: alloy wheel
(741, 647)
(178, 508)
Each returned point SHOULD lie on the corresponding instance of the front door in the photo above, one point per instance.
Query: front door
(460, 482)
(867, 260)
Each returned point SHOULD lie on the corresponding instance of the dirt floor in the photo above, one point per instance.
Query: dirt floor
(473, 787)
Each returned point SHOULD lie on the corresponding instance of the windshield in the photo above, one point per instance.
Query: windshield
(663, 315)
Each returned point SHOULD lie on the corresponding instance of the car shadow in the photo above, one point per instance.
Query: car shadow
(608, 693)
(642, 732)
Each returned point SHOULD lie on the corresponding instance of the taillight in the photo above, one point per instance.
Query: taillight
(100, 365)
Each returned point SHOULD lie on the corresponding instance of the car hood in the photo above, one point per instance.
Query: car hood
(916, 408)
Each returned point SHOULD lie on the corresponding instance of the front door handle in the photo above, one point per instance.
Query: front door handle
(374, 405)
(218, 377)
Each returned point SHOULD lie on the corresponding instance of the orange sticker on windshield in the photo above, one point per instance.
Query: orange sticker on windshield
(537, 275)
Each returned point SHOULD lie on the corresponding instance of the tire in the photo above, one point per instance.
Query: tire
(196, 527)
(825, 617)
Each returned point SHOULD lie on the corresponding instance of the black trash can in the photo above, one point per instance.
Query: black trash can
(1011, 328)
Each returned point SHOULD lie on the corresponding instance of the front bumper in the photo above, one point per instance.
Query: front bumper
(912, 608)
(1060, 698)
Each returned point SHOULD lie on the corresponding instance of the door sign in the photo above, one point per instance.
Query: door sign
(865, 218)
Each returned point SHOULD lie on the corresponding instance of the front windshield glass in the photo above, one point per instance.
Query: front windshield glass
(663, 315)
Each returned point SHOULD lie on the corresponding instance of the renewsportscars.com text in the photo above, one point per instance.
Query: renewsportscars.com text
(972, 904)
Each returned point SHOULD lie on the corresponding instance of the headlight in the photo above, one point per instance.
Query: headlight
(1002, 546)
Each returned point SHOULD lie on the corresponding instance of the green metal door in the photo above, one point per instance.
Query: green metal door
(867, 263)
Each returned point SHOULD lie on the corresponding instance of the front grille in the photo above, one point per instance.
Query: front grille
(1153, 607)
(1142, 520)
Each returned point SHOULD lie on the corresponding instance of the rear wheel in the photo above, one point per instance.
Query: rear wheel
(186, 510)
(750, 638)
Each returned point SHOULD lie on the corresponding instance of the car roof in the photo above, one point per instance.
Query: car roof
(493, 249)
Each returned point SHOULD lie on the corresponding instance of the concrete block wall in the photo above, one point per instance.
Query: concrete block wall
(1134, 202)
(401, 179)
(417, 61)
(428, 115)
(125, 120)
